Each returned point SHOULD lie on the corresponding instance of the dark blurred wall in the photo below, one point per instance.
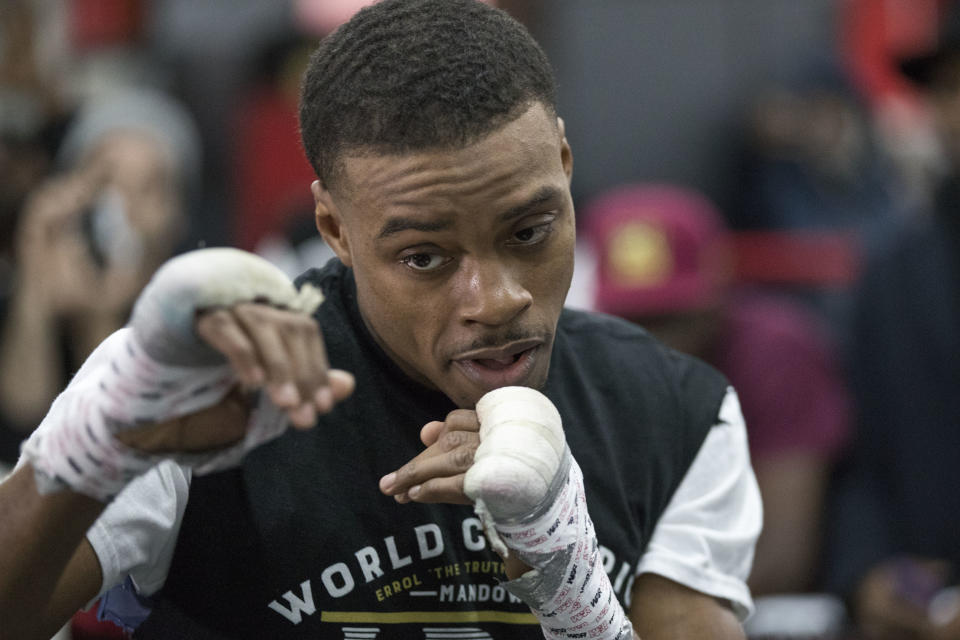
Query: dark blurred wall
(658, 89)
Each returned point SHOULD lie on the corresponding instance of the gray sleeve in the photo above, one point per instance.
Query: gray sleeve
(137, 532)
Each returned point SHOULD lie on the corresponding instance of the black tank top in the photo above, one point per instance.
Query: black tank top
(299, 542)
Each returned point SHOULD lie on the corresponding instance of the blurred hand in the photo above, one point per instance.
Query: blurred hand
(278, 350)
(891, 601)
(55, 268)
(946, 622)
(950, 631)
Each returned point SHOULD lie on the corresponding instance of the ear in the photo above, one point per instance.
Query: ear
(330, 223)
(566, 154)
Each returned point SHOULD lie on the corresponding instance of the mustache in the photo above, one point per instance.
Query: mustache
(496, 340)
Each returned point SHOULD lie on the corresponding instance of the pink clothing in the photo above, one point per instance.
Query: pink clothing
(790, 385)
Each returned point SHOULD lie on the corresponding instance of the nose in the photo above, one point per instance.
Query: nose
(491, 293)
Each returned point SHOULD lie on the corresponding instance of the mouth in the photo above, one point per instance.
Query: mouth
(509, 365)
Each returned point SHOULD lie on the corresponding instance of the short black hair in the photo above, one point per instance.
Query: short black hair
(411, 75)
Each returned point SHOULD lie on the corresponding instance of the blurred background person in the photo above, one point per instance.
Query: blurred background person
(35, 110)
(97, 167)
(813, 161)
(665, 261)
(86, 241)
(896, 533)
(814, 168)
(872, 36)
(33, 113)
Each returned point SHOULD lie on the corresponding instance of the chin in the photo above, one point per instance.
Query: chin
(465, 399)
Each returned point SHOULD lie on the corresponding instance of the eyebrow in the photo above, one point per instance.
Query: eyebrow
(543, 195)
(403, 223)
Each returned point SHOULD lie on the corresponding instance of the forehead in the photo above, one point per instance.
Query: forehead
(131, 152)
(524, 151)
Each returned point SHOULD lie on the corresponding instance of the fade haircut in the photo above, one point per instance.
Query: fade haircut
(412, 75)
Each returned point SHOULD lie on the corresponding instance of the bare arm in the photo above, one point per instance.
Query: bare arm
(44, 558)
(793, 488)
(712, 521)
(30, 369)
(662, 609)
(44, 555)
(55, 279)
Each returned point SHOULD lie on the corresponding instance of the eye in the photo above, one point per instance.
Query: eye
(424, 261)
(532, 235)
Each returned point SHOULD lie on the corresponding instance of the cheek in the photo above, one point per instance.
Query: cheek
(381, 304)
(404, 319)
(556, 274)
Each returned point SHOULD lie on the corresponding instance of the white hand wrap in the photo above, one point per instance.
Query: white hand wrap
(157, 371)
(529, 494)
